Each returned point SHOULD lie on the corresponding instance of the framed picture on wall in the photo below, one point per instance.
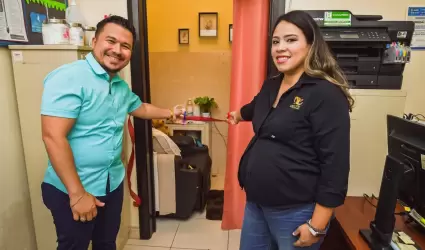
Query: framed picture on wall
(208, 24)
(183, 36)
(230, 32)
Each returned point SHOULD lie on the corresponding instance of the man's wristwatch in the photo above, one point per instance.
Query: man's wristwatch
(314, 231)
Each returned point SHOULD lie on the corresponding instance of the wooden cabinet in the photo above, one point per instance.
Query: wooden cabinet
(31, 64)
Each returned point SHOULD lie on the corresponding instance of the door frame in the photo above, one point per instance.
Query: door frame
(140, 82)
(277, 8)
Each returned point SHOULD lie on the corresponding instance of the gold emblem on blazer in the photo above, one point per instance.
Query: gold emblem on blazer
(298, 102)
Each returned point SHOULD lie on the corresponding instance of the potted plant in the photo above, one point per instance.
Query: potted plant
(206, 104)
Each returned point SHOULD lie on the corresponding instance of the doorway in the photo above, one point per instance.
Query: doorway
(141, 84)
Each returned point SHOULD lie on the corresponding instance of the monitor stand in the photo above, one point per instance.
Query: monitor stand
(372, 241)
(379, 235)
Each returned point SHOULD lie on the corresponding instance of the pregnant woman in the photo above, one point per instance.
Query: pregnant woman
(295, 169)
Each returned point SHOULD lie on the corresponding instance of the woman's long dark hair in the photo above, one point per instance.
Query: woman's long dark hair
(320, 62)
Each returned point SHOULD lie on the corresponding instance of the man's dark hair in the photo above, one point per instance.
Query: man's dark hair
(121, 21)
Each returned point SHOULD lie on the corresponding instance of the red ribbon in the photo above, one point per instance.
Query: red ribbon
(204, 119)
(137, 200)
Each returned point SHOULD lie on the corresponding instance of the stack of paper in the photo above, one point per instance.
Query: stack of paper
(402, 241)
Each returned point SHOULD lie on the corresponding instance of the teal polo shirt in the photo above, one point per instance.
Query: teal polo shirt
(82, 90)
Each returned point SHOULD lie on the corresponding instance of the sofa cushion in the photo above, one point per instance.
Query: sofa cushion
(162, 144)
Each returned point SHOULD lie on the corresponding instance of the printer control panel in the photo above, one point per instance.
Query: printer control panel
(356, 35)
(374, 35)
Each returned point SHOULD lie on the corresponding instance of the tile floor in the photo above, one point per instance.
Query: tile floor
(196, 233)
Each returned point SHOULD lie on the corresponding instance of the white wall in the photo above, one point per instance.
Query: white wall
(94, 10)
(16, 224)
(389, 9)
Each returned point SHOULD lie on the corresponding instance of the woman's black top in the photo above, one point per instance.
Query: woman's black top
(300, 152)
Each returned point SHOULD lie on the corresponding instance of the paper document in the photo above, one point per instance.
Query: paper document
(12, 24)
(417, 15)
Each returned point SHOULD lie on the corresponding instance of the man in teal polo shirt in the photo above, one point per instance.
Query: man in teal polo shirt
(83, 112)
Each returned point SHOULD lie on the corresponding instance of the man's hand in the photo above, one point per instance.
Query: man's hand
(305, 239)
(177, 114)
(84, 207)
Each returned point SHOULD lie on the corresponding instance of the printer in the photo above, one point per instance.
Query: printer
(371, 52)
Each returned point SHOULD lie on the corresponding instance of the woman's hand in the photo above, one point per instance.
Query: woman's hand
(305, 239)
(234, 117)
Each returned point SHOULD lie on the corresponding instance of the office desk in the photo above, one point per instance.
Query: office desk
(356, 214)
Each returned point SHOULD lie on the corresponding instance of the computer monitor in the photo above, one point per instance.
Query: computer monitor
(403, 178)
(406, 142)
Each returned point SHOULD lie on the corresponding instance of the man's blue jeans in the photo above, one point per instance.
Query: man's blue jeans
(270, 228)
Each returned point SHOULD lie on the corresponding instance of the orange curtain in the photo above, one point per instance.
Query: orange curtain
(249, 64)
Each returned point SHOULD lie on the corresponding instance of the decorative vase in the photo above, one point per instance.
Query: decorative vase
(206, 114)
